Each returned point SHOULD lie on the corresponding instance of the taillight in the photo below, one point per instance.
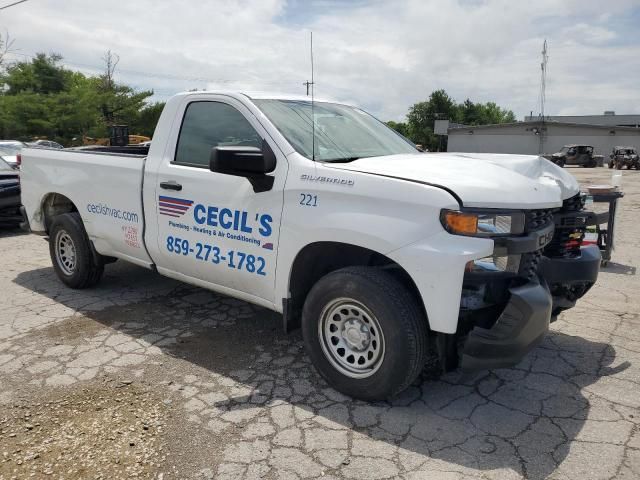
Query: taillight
(19, 160)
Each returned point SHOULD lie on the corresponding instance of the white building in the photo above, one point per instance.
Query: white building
(538, 137)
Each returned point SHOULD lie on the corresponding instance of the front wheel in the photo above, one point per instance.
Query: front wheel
(365, 332)
(71, 255)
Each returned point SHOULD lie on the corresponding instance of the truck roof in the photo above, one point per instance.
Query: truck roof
(260, 95)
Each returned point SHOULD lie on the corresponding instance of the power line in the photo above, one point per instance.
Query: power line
(12, 4)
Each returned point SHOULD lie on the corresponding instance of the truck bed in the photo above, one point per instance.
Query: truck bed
(136, 150)
(103, 184)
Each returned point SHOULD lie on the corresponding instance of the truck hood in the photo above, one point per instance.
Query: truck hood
(486, 180)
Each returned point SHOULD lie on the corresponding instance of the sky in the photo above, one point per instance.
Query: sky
(382, 55)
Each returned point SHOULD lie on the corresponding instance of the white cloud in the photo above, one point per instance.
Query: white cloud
(384, 55)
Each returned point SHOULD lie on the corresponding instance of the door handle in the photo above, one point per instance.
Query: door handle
(171, 185)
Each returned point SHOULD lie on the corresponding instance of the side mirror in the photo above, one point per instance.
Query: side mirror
(242, 161)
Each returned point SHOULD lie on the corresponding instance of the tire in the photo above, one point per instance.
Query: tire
(71, 253)
(374, 300)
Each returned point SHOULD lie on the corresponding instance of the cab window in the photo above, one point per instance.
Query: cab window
(210, 124)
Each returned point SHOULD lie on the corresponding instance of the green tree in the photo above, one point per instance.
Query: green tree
(41, 75)
(400, 127)
(492, 113)
(147, 119)
(119, 103)
(422, 116)
(43, 99)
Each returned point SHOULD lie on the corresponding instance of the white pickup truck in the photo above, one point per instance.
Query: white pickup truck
(382, 254)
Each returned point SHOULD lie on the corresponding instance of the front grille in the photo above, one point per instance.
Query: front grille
(537, 219)
(529, 263)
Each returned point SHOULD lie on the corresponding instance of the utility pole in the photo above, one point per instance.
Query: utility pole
(543, 96)
(308, 84)
(543, 78)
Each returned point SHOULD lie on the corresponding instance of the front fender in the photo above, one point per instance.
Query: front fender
(436, 264)
(379, 214)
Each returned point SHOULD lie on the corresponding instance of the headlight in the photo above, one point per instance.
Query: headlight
(482, 224)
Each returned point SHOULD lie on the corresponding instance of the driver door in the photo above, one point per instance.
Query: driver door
(213, 227)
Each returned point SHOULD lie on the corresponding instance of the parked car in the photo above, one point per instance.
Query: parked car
(383, 252)
(9, 150)
(575, 155)
(624, 157)
(9, 195)
(45, 144)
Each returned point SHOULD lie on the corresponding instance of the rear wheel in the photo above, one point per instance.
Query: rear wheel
(365, 332)
(71, 254)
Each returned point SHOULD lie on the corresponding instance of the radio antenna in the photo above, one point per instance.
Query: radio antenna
(313, 114)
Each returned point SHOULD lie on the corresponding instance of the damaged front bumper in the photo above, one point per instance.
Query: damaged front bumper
(522, 325)
(506, 314)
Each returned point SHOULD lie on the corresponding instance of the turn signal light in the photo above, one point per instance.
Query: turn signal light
(461, 223)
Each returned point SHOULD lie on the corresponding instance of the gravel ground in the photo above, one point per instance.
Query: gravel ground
(145, 377)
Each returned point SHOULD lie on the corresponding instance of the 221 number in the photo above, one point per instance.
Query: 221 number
(308, 200)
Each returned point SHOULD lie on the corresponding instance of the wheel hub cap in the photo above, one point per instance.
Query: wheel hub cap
(65, 252)
(351, 338)
(356, 334)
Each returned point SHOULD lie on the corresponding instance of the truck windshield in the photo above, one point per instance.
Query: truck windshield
(342, 133)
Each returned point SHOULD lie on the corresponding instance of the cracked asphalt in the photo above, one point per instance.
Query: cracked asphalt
(149, 378)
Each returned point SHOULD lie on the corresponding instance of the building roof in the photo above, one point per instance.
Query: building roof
(606, 119)
(537, 124)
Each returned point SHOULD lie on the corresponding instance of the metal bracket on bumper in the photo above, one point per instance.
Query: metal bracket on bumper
(522, 325)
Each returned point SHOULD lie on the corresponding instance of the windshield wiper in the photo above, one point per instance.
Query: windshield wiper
(340, 160)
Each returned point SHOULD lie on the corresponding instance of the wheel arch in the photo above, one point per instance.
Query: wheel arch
(53, 204)
(317, 259)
